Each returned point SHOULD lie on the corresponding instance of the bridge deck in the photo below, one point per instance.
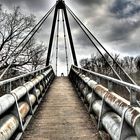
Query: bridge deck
(61, 116)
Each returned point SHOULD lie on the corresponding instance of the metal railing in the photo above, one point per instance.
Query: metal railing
(18, 106)
(134, 89)
(33, 73)
(7, 85)
(116, 115)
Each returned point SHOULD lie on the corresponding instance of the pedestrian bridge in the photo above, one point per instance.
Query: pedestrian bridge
(85, 105)
(79, 106)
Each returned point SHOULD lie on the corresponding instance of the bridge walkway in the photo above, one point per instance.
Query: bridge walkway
(61, 116)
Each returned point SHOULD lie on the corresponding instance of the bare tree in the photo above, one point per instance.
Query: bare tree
(13, 28)
(99, 64)
(37, 53)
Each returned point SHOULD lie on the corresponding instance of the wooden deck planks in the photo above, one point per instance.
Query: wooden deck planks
(61, 116)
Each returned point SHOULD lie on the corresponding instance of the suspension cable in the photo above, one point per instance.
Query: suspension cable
(115, 72)
(99, 51)
(57, 36)
(65, 39)
(52, 54)
(80, 23)
(95, 46)
(40, 24)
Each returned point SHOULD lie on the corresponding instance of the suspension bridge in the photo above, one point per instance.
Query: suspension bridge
(84, 105)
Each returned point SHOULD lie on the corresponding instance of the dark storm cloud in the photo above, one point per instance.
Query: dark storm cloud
(110, 20)
(125, 8)
(88, 2)
(124, 26)
(122, 31)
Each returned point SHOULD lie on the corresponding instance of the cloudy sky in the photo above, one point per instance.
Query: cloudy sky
(116, 24)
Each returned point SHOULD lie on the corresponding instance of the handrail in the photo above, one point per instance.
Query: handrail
(19, 105)
(113, 112)
(21, 76)
(119, 82)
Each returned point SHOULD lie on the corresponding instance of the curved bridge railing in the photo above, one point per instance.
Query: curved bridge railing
(118, 116)
(18, 106)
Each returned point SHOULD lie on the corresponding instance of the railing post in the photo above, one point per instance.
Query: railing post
(85, 89)
(133, 98)
(122, 124)
(110, 85)
(16, 112)
(101, 113)
(27, 99)
(34, 92)
(90, 103)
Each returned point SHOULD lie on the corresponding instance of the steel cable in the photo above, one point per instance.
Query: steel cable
(57, 36)
(64, 30)
(80, 23)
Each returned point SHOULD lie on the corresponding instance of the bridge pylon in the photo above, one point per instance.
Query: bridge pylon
(60, 4)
